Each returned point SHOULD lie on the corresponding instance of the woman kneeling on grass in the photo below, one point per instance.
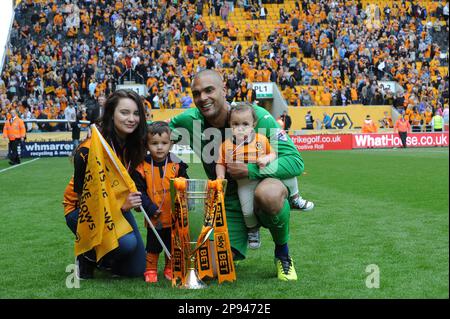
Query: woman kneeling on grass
(123, 125)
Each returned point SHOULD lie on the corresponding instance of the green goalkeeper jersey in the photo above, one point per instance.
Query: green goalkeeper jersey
(191, 128)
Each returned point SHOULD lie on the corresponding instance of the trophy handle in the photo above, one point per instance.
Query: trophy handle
(203, 238)
(207, 230)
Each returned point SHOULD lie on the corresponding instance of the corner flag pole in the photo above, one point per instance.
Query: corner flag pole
(155, 232)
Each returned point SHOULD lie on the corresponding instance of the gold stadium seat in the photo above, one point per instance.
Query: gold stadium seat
(418, 65)
(443, 70)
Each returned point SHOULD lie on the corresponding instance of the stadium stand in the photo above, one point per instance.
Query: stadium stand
(319, 53)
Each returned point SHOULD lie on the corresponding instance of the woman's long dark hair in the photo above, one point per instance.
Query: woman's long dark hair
(133, 151)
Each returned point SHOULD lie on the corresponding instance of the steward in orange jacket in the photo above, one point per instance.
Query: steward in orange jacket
(402, 126)
(14, 130)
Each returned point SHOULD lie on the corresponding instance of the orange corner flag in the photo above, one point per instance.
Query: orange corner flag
(106, 186)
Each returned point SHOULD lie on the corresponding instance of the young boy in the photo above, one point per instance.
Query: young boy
(246, 146)
(156, 172)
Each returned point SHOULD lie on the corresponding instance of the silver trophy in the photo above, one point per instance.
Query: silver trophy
(196, 193)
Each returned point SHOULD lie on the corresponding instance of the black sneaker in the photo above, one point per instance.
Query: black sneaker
(104, 265)
(85, 268)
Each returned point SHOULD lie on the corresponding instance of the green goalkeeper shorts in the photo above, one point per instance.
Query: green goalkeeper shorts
(237, 231)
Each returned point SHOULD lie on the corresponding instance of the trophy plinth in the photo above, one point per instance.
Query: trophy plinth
(192, 280)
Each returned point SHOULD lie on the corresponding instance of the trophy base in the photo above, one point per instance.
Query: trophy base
(192, 280)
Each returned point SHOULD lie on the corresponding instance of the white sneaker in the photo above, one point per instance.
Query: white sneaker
(302, 204)
(254, 239)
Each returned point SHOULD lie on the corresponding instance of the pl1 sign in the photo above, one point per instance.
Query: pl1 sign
(263, 90)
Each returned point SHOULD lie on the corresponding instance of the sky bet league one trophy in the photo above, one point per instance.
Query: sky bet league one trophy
(198, 213)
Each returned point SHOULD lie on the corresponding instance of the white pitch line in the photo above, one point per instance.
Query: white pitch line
(14, 166)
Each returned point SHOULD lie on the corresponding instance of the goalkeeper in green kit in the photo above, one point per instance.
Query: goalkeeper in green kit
(204, 129)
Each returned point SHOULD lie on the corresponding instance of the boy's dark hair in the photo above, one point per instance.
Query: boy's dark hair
(242, 107)
(158, 127)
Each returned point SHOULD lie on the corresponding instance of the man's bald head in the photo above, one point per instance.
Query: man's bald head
(216, 76)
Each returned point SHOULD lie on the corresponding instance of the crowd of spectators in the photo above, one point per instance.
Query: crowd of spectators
(323, 52)
(347, 50)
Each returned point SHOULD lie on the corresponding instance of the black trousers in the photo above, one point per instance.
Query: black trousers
(153, 245)
(403, 138)
(14, 151)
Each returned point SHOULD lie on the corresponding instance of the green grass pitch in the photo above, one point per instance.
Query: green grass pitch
(387, 208)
